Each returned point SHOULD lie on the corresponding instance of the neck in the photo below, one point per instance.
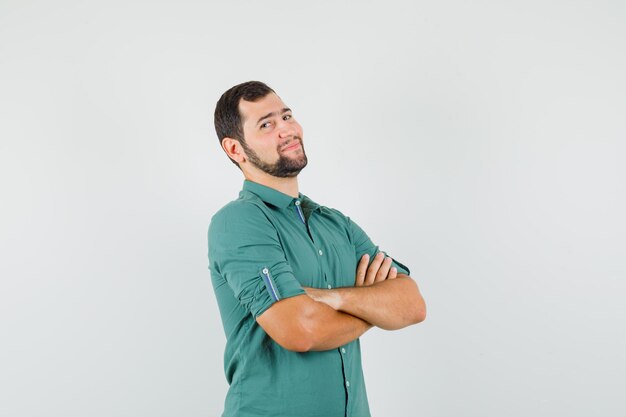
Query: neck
(287, 185)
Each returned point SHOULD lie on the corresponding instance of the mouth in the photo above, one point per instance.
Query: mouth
(293, 146)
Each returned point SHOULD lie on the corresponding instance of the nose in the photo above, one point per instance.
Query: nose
(286, 129)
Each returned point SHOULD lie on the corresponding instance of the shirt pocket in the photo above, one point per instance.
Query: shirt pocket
(343, 265)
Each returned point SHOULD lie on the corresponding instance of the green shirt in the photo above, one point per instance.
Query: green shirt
(263, 247)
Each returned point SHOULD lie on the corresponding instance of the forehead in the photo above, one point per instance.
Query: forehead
(251, 111)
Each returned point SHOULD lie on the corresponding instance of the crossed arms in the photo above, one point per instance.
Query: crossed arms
(326, 319)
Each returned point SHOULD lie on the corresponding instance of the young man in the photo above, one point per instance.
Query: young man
(297, 283)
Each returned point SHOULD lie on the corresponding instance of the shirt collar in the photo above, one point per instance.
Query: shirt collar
(275, 197)
(308, 203)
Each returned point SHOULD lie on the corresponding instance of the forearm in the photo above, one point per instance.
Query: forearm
(391, 304)
(330, 329)
(301, 324)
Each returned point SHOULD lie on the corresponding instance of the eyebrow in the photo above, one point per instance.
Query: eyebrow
(272, 114)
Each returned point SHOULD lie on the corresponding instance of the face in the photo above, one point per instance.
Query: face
(273, 138)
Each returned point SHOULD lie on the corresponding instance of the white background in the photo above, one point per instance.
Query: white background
(481, 143)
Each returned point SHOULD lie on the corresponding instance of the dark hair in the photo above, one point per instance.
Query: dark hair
(227, 118)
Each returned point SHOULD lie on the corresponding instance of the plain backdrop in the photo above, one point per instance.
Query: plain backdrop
(481, 143)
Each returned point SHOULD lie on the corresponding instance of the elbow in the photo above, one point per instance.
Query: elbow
(301, 337)
(412, 316)
(297, 339)
(292, 323)
(295, 342)
(300, 345)
(419, 311)
(308, 333)
(414, 312)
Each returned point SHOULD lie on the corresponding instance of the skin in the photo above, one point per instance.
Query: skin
(269, 140)
(387, 300)
(273, 155)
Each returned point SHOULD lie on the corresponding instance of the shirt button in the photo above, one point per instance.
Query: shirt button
(347, 383)
(297, 202)
(320, 252)
(343, 350)
(330, 287)
(265, 271)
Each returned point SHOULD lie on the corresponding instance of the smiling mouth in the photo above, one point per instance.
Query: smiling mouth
(292, 146)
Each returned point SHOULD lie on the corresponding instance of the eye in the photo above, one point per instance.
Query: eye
(265, 125)
(287, 117)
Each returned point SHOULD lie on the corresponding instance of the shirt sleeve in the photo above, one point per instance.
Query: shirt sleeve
(245, 250)
(363, 244)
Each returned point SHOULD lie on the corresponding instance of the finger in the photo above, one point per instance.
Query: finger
(393, 273)
(373, 268)
(383, 271)
(360, 270)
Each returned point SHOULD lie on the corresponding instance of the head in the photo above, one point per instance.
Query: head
(258, 132)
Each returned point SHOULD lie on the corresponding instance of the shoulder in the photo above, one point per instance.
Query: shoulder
(241, 219)
(333, 212)
(335, 216)
(235, 210)
(238, 212)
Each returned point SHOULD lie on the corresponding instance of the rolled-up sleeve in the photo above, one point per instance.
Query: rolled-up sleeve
(363, 244)
(245, 250)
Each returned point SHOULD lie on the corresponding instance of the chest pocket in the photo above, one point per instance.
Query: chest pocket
(343, 265)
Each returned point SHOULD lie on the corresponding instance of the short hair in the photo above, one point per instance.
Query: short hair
(227, 118)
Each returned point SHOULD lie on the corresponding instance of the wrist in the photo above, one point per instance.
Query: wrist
(331, 298)
(334, 298)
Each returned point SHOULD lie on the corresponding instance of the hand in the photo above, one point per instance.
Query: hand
(379, 270)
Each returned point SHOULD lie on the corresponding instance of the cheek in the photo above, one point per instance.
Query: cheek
(263, 147)
(270, 150)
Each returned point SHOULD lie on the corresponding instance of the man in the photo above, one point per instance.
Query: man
(292, 298)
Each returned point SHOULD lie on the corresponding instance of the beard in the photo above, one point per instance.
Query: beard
(284, 167)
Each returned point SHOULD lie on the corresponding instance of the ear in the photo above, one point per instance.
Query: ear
(233, 149)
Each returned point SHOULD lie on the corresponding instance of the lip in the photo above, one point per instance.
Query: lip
(292, 147)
